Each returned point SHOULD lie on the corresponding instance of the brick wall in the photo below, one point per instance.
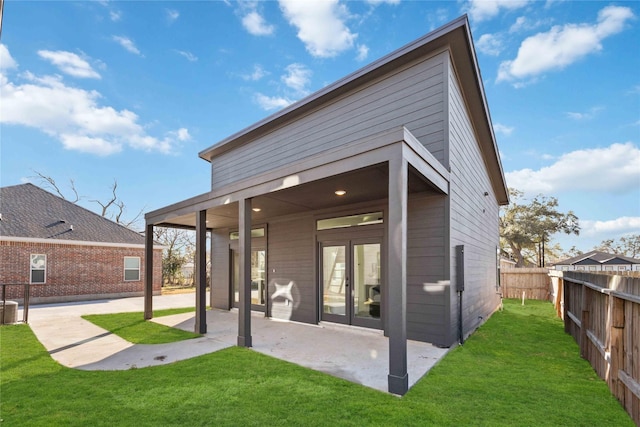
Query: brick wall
(74, 272)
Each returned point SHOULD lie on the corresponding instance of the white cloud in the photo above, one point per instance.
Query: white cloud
(6, 60)
(622, 225)
(255, 24)
(271, 102)
(489, 44)
(590, 114)
(321, 25)
(171, 15)
(613, 169)
(75, 117)
(127, 44)
(115, 15)
(297, 77)
(363, 52)
(503, 129)
(69, 63)
(257, 74)
(377, 2)
(190, 56)
(563, 45)
(480, 10)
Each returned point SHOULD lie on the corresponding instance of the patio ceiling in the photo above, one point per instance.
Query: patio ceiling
(362, 185)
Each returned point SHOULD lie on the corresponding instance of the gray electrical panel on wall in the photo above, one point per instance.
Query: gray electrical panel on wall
(460, 268)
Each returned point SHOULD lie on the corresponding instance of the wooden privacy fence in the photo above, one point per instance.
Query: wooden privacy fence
(602, 313)
(534, 282)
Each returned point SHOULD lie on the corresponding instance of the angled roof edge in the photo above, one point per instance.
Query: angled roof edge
(443, 36)
(599, 257)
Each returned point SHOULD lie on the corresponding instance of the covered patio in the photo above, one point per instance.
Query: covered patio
(387, 166)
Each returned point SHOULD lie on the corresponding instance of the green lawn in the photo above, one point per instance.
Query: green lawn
(133, 328)
(520, 368)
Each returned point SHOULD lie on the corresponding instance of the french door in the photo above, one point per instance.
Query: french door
(350, 282)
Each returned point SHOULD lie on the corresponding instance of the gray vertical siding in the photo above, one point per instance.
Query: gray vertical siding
(427, 277)
(473, 217)
(220, 288)
(290, 253)
(412, 96)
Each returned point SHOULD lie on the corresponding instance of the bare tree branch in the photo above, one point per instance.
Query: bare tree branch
(51, 184)
(114, 198)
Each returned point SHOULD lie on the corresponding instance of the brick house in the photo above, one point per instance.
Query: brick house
(66, 252)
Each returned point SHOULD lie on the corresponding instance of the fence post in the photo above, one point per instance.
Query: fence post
(617, 347)
(584, 323)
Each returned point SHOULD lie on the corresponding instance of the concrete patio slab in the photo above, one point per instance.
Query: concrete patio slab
(354, 354)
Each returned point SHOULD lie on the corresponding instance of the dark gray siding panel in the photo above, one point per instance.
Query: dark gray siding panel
(427, 278)
(412, 97)
(290, 259)
(220, 287)
(473, 218)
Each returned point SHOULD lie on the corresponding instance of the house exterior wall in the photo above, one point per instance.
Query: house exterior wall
(411, 96)
(74, 272)
(427, 275)
(473, 219)
(290, 258)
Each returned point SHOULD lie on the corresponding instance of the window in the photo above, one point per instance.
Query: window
(593, 268)
(256, 232)
(349, 221)
(131, 268)
(38, 268)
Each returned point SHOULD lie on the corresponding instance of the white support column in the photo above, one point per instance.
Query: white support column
(396, 224)
(244, 252)
(201, 272)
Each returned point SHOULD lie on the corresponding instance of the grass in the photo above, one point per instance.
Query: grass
(520, 368)
(133, 328)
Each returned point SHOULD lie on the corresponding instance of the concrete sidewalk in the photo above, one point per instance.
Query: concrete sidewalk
(355, 354)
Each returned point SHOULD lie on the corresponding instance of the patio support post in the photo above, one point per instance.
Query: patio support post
(201, 272)
(244, 249)
(148, 272)
(396, 224)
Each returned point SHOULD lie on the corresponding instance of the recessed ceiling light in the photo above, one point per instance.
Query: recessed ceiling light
(256, 209)
(340, 192)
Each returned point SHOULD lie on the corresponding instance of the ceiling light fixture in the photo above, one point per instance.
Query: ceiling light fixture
(340, 192)
(256, 209)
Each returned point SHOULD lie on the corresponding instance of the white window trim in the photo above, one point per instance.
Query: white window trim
(124, 273)
(31, 269)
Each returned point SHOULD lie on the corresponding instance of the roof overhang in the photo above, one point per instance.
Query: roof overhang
(309, 185)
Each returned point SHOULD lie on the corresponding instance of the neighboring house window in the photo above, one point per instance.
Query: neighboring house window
(565, 268)
(608, 268)
(580, 268)
(622, 268)
(38, 268)
(131, 268)
(593, 268)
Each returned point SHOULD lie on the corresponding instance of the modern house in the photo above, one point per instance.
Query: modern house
(599, 261)
(66, 252)
(373, 202)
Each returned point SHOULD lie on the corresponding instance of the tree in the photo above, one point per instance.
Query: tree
(114, 208)
(179, 247)
(626, 245)
(526, 228)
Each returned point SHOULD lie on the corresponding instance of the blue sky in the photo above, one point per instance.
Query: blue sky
(100, 90)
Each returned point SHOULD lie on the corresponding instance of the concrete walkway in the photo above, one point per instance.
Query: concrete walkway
(355, 354)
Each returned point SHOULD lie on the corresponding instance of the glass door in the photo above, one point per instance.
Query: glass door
(366, 292)
(335, 282)
(258, 277)
(351, 282)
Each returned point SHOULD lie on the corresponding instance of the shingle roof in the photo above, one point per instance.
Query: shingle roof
(31, 212)
(598, 258)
